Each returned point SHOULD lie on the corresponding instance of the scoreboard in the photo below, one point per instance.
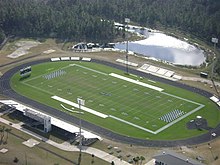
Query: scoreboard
(25, 71)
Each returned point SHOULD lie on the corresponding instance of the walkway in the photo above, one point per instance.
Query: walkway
(200, 80)
(67, 147)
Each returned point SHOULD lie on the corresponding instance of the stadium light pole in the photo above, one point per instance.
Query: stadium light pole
(215, 41)
(81, 102)
(127, 21)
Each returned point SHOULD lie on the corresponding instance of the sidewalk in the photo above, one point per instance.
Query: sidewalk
(67, 147)
(200, 80)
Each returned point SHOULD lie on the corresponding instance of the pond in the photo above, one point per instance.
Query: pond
(167, 48)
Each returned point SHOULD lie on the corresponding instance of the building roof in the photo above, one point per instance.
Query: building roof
(54, 120)
(172, 158)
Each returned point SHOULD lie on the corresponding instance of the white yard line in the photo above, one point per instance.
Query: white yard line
(190, 101)
(77, 106)
(40, 89)
(136, 82)
(91, 69)
(116, 118)
(134, 125)
(178, 119)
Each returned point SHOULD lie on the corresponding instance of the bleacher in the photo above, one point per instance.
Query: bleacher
(127, 62)
(145, 66)
(70, 59)
(55, 59)
(65, 58)
(74, 58)
(216, 100)
(161, 72)
(86, 59)
(169, 74)
(152, 68)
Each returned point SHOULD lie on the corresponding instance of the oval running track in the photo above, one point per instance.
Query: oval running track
(6, 90)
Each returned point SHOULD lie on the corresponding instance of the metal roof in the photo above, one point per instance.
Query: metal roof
(172, 158)
(54, 120)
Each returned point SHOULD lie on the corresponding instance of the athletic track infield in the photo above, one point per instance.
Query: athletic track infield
(8, 92)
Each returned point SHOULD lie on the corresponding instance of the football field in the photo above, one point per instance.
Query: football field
(125, 99)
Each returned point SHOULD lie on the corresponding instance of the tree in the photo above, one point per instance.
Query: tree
(7, 130)
(136, 159)
(15, 160)
(2, 130)
(142, 159)
(73, 20)
(2, 36)
(93, 158)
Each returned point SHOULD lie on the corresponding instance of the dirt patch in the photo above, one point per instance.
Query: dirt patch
(22, 48)
(49, 51)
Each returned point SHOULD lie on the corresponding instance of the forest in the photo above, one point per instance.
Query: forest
(93, 20)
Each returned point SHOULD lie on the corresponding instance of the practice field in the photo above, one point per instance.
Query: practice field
(112, 99)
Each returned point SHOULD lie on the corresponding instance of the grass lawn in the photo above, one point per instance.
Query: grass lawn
(40, 154)
(133, 106)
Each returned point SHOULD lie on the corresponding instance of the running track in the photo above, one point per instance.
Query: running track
(6, 90)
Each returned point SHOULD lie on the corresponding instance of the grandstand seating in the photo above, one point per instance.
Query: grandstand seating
(145, 66)
(86, 59)
(169, 74)
(160, 72)
(65, 58)
(70, 58)
(75, 58)
(216, 100)
(55, 59)
(125, 62)
(152, 68)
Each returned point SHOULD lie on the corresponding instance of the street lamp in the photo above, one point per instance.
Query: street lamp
(81, 102)
(127, 21)
(215, 41)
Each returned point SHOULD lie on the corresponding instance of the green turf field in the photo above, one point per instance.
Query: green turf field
(136, 106)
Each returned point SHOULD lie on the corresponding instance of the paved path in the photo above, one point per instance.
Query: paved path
(200, 80)
(67, 147)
